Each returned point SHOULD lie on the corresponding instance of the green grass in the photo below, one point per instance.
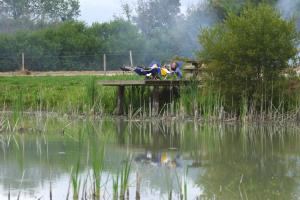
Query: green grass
(81, 95)
(59, 94)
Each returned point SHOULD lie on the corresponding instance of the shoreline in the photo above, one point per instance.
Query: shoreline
(126, 118)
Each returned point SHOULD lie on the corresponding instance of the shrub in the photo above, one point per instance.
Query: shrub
(246, 54)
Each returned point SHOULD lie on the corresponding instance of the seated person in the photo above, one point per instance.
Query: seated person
(176, 69)
(155, 71)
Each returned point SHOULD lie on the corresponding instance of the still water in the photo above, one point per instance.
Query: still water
(169, 160)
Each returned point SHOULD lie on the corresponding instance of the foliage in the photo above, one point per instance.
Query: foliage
(40, 10)
(35, 13)
(71, 46)
(156, 14)
(247, 53)
(223, 7)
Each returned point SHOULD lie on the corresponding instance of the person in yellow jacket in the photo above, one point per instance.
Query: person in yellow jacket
(155, 71)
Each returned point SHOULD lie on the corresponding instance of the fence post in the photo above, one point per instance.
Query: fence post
(131, 60)
(104, 63)
(23, 62)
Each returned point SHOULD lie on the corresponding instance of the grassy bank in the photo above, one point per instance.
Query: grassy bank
(69, 95)
(81, 95)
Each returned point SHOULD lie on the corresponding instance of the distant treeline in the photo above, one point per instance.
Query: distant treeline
(51, 38)
(159, 31)
(73, 46)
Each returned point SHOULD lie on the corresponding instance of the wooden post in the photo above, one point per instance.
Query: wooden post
(23, 62)
(104, 63)
(155, 106)
(131, 60)
(120, 101)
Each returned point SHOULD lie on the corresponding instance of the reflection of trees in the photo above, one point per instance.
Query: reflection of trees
(36, 157)
(155, 135)
(251, 163)
(229, 161)
(254, 162)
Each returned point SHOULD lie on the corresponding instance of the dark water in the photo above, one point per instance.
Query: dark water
(214, 161)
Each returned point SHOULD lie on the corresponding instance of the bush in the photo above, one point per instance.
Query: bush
(246, 54)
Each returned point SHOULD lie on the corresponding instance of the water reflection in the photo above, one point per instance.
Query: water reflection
(162, 159)
(215, 161)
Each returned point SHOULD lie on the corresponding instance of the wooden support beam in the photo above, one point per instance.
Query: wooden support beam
(120, 101)
(155, 84)
(155, 104)
(147, 82)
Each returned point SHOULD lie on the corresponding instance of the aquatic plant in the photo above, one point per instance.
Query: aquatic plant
(97, 168)
(124, 178)
(76, 181)
(115, 186)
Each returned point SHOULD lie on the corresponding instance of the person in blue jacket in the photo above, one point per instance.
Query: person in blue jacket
(176, 69)
(154, 71)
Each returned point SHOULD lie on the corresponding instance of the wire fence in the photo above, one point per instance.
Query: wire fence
(81, 61)
(75, 61)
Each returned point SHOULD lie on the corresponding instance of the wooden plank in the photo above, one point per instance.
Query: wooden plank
(146, 82)
(121, 83)
(167, 82)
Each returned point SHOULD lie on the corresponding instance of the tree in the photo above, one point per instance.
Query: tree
(223, 7)
(156, 14)
(73, 45)
(290, 8)
(246, 54)
(39, 10)
(127, 11)
(185, 33)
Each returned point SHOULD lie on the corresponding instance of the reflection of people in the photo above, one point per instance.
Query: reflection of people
(155, 71)
(176, 69)
(158, 159)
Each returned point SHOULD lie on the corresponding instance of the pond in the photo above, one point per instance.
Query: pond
(117, 159)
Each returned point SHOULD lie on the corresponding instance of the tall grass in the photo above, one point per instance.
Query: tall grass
(76, 181)
(124, 178)
(18, 106)
(91, 93)
(82, 96)
(115, 188)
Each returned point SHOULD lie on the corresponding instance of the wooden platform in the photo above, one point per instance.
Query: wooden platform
(145, 82)
(156, 84)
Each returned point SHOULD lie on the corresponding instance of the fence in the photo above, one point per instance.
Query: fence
(74, 62)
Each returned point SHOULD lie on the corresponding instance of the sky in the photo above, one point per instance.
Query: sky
(105, 10)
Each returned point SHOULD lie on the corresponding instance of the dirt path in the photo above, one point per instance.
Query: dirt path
(63, 73)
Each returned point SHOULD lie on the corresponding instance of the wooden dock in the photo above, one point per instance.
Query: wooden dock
(144, 82)
(156, 84)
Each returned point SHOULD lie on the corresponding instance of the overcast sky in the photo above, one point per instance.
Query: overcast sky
(104, 10)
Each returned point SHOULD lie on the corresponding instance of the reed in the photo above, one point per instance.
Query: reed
(97, 168)
(76, 181)
(124, 178)
(91, 93)
(18, 106)
(115, 187)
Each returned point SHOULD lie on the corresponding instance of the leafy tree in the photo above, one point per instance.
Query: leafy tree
(185, 33)
(156, 14)
(127, 11)
(119, 37)
(33, 14)
(246, 54)
(290, 9)
(223, 7)
(73, 46)
(40, 10)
